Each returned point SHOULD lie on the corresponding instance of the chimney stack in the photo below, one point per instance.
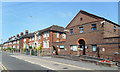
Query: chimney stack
(13, 36)
(9, 38)
(17, 35)
(26, 31)
(21, 33)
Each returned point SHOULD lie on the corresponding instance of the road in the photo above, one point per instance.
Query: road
(23, 62)
(12, 63)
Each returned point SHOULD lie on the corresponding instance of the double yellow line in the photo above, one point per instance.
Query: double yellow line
(2, 66)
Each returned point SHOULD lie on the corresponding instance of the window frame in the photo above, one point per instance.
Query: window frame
(71, 31)
(114, 28)
(95, 49)
(64, 36)
(57, 34)
(94, 28)
(81, 30)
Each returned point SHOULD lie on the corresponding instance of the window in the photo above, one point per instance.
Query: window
(64, 36)
(62, 46)
(48, 34)
(46, 44)
(114, 28)
(57, 34)
(57, 41)
(57, 45)
(81, 29)
(94, 47)
(73, 47)
(94, 27)
(32, 38)
(17, 42)
(39, 37)
(24, 39)
(45, 34)
(71, 31)
(103, 25)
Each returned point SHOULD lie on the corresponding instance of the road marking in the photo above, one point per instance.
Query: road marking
(54, 62)
(2, 66)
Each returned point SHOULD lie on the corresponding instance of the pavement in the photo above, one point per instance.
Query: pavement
(17, 61)
(61, 64)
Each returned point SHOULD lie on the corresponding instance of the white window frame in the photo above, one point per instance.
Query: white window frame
(57, 34)
(64, 36)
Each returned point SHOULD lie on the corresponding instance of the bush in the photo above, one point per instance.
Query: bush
(24, 49)
(4, 49)
(32, 53)
(9, 48)
(40, 48)
(30, 47)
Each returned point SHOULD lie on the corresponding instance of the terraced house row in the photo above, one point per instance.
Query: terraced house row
(87, 34)
(43, 37)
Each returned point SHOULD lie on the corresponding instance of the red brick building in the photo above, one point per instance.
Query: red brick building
(44, 37)
(91, 35)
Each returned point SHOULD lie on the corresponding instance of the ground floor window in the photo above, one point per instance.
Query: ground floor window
(46, 44)
(73, 47)
(62, 46)
(94, 47)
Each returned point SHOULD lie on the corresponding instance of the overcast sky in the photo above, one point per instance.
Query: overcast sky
(20, 16)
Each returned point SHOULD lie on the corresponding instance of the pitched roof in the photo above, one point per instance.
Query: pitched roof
(53, 28)
(27, 35)
(94, 16)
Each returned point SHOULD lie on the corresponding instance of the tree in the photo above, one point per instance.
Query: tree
(24, 49)
(40, 48)
(9, 48)
(30, 47)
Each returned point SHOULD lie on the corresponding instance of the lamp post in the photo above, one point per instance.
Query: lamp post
(36, 42)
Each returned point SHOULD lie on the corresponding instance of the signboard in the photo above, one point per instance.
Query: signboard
(74, 48)
(62, 46)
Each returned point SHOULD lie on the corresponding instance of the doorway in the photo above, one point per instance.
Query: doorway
(82, 45)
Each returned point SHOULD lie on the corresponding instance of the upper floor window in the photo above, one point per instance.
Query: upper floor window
(57, 34)
(24, 39)
(32, 38)
(81, 29)
(64, 36)
(94, 47)
(71, 31)
(94, 27)
(48, 34)
(102, 25)
(114, 28)
(39, 37)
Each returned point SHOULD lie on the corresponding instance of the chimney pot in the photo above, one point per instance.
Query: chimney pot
(21, 33)
(26, 31)
(17, 35)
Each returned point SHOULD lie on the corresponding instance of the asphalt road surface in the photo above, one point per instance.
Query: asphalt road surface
(12, 63)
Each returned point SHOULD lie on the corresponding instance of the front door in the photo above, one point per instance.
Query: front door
(82, 45)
